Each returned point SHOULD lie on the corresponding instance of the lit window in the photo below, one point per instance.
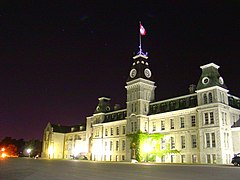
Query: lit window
(194, 158)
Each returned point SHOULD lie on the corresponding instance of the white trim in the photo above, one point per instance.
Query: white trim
(211, 88)
(140, 55)
(209, 65)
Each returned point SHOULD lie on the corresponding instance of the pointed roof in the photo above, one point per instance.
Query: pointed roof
(140, 68)
(210, 77)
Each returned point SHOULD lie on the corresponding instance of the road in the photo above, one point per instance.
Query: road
(39, 169)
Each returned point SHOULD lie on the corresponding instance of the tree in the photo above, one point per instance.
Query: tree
(147, 147)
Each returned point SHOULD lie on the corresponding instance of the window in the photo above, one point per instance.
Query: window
(105, 146)
(193, 119)
(183, 142)
(132, 126)
(210, 97)
(183, 158)
(211, 158)
(135, 126)
(106, 132)
(213, 140)
(207, 140)
(171, 123)
(224, 118)
(162, 125)
(211, 118)
(153, 126)
(194, 141)
(208, 118)
(204, 98)
(123, 145)
(163, 158)
(123, 157)
(117, 145)
(111, 145)
(163, 143)
(208, 158)
(97, 133)
(124, 130)
(172, 158)
(214, 158)
(210, 140)
(181, 122)
(194, 158)
(111, 131)
(172, 143)
(117, 130)
(145, 126)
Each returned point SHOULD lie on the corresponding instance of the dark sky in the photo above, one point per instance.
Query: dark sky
(58, 57)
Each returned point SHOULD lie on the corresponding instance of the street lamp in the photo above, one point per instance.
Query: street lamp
(29, 152)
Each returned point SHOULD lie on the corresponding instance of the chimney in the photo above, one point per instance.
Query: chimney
(116, 107)
(192, 88)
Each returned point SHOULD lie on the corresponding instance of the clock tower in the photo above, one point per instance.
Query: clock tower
(140, 89)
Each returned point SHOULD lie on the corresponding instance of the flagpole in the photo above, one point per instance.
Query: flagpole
(140, 43)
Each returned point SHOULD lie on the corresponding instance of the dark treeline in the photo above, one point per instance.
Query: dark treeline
(19, 146)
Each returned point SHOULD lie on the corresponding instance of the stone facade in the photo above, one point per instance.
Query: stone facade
(202, 125)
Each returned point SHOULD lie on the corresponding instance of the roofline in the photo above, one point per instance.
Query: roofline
(209, 65)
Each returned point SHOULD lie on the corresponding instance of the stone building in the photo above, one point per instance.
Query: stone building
(202, 125)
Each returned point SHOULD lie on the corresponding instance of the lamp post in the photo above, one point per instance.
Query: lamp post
(29, 152)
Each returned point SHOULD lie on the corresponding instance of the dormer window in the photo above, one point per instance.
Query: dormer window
(210, 97)
(207, 98)
(204, 98)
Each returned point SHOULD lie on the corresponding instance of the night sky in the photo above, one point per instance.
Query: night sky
(58, 57)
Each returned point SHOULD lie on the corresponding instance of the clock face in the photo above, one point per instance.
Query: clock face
(147, 73)
(133, 73)
(220, 79)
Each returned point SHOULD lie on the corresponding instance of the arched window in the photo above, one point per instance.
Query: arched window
(210, 97)
(204, 98)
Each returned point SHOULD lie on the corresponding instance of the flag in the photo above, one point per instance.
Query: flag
(142, 30)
